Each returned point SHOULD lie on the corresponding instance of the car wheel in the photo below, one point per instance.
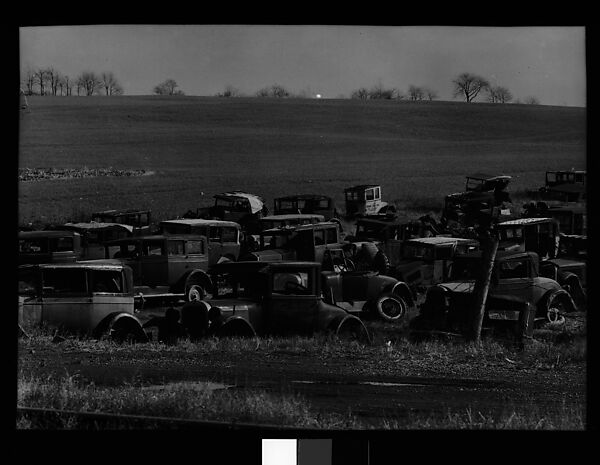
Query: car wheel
(390, 307)
(126, 333)
(555, 311)
(195, 293)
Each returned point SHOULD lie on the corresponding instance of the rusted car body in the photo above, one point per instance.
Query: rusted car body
(539, 235)
(307, 204)
(49, 246)
(167, 267)
(366, 293)
(139, 219)
(426, 261)
(365, 199)
(556, 178)
(241, 207)
(224, 237)
(305, 243)
(92, 299)
(261, 298)
(517, 297)
(280, 221)
(542, 236)
(94, 235)
(485, 198)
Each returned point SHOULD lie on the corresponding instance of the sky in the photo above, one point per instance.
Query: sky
(545, 62)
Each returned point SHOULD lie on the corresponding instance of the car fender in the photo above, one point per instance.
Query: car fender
(199, 277)
(236, 326)
(111, 320)
(401, 289)
(544, 303)
(341, 324)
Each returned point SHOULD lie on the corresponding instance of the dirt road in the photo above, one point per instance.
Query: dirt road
(373, 385)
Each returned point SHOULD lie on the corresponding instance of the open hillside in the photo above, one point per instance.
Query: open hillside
(194, 147)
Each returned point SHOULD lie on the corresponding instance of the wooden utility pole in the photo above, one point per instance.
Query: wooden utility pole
(489, 246)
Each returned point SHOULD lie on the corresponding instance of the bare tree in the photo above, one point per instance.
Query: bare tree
(68, 84)
(109, 83)
(469, 85)
(416, 93)
(361, 93)
(279, 91)
(274, 90)
(89, 82)
(53, 77)
(229, 91)
(531, 100)
(40, 76)
(29, 79)
(430, 94)
(499, 94)
(168, 87)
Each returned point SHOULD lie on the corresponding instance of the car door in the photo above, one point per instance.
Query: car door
(292, 303)
(66, 299)
(513, 277)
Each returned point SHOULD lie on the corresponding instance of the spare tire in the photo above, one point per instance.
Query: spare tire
(390, 307)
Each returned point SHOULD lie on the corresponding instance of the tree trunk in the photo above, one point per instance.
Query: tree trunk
(489, 247)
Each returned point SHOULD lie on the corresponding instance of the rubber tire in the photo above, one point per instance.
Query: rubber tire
(194, 292)
(382, 307)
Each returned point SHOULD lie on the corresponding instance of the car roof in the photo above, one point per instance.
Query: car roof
(568, 171)
(47, 233)
(487, 177)
(99, 225)
(302, 227)
(89, 265)
(201, 222)
(361, 187)
(500, 255)
(253, 266)
(441, 240)
(304, 197)
(292, 216)
(193, 237)
(526, 221)
(119, 212)
(256, 202)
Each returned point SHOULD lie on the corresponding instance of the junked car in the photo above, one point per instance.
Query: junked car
(485, 198)
(241, 207)
(314, 204)
(49, 246)
(94, 235)
(262, 298)
(289, 219)
(224, 237)
(426, 261)
(84, 298)
(306, 243)
(165, 268)
(140, 220)
(518, 296)
(365, 200)
(366, 293)
(542, 236)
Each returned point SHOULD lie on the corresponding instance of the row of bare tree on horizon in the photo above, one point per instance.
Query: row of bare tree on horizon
(49, 81)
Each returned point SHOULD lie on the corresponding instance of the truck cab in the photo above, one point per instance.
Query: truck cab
(365, 199)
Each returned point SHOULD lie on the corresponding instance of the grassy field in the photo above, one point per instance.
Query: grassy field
(199, 146)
